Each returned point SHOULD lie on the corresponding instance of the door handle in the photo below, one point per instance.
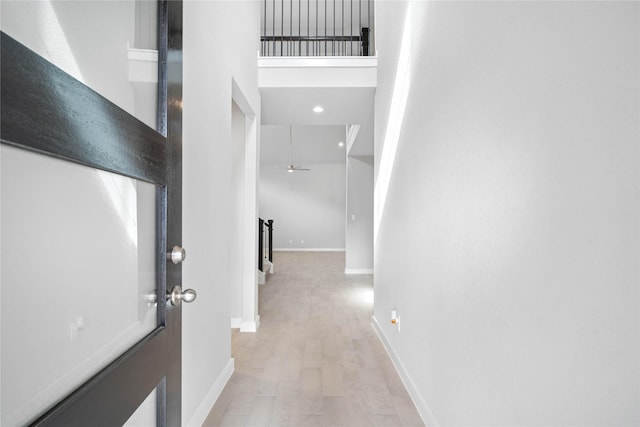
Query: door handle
(177, 295)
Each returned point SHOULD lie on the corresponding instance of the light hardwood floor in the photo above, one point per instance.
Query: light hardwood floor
(315, 360)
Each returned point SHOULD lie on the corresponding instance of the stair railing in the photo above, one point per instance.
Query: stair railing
(270, 240)
(265, 233)
(260, 242)
(316, 28)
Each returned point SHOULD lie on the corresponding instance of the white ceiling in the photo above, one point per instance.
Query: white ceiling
(315, 135)
(310, 144)
(342, 106)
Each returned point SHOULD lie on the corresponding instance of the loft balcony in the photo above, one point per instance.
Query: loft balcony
(317, 44)
(319, 52)
(319, 28)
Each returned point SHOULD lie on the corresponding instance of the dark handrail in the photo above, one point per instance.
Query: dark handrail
(363, 39)
(270, 237)
(261, 241)
(314, 38)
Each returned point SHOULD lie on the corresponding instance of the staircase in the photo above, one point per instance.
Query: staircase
(265, 252)
(267, 268)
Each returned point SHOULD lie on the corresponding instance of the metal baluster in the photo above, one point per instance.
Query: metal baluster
(360, 19)
(260, 242)
(270, 253)
(308, 28)
(299, 34)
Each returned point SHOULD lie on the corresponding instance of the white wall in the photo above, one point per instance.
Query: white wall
(306, 207)
(359, 220)
(508, 238)
(220, 43)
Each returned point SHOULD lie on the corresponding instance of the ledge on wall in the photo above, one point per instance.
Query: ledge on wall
(358, 271)
(143, 65)
(308, 249)
(318, 71)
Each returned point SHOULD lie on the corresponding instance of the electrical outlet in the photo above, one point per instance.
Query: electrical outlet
(395, 319)
(75, 327)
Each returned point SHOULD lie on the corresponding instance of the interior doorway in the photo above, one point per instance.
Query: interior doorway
(238, 141)
(244, 187)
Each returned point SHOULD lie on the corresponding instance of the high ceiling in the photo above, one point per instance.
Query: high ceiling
(342, 106)
(309, 144)
(315, 135)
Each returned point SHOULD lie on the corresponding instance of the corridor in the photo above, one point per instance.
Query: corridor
(315, 360)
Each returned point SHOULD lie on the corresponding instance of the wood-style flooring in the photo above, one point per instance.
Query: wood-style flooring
(315, 360)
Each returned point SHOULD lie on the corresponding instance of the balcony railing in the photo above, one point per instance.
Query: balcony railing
(316, 28)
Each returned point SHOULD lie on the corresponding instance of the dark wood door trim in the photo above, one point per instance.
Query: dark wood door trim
(170, 50)
(48, 111)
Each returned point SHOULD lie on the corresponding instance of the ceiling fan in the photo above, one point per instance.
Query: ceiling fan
(291, 168)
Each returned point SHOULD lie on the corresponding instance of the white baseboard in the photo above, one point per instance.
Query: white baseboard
(236, 322)
(423, 409)
(308, 249)
(250, 326)
(358, 271)
(210, 399)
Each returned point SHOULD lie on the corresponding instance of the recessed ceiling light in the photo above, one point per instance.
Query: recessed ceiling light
(318, 109)
(340, 144)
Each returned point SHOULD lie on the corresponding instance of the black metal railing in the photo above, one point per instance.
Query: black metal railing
(316, 28)
(265, 234)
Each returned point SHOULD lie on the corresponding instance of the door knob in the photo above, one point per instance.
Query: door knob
(177, 295)
(177, 255)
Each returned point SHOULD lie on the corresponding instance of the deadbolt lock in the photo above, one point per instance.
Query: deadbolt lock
(177, 255)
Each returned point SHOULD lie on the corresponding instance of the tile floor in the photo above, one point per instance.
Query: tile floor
(315, 360)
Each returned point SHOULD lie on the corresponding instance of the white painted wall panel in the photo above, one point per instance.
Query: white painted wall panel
(232, 27)
(329, 77)
(359, 220)
(508, 226)
(308, 208)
